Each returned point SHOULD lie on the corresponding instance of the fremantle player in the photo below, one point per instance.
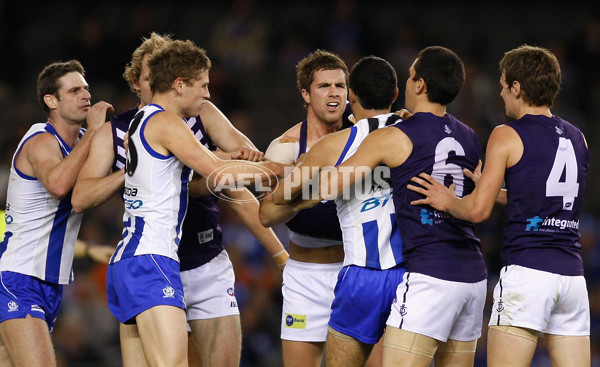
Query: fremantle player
(316, 251)
(443, 257)
(212, 310)
(543, 161)
(36, 254)
(373, 262)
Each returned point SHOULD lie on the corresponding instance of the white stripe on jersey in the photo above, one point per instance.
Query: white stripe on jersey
(40, 231)
(155, 196)
(368, 223)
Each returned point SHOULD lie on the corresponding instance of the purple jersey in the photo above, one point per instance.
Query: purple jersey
(435, 243)
(545, 190)
(201, 234)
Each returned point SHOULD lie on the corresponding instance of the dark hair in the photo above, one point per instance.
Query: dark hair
(373, 80)
(537, 71)
(315, 61)
(49, 79)
(443, 73)
(176, 59)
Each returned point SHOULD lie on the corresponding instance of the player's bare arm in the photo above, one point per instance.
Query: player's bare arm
(95, 183)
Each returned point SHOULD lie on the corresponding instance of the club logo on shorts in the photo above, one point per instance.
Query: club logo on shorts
(12, 306)
(295, 321)
(403, 310)
(168, 292)
(500, 306)
(230, 292)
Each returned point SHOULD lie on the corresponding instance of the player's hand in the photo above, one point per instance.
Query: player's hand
(100, 253)
(404, 113)
(248, 154)
(96, 116)
(436, 195)
(475, 175)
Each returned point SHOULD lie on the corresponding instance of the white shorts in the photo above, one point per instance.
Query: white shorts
(209, 289)
(307, 296)
(542, 301)
(439, 309)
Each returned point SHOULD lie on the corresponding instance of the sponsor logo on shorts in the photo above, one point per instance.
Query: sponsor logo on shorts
(168, 292)
(295, 321)
(37, 308)
(403, 310)
(231, 292)
(12, 306)
(233, 304)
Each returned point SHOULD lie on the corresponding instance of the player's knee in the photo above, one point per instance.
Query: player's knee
(525, 333)
(410, 342)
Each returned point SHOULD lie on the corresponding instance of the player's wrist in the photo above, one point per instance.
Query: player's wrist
(281, 258)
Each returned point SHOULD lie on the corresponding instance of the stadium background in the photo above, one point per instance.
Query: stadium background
(254, 46)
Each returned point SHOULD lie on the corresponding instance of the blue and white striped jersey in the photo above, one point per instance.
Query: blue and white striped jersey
(367, 216)
(156, 196)
(40, 231)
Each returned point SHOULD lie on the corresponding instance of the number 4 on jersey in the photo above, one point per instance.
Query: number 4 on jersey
(565, 163)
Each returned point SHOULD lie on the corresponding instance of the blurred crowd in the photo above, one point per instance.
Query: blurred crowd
(254, 46)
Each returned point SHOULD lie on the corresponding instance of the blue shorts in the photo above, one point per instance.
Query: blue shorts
(138, 283)
(363, 300)
(22, 295)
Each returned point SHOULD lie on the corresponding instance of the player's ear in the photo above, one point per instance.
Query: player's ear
(51, 101)
(306, 96)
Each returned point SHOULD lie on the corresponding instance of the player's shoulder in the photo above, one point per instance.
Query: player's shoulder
(292, 134)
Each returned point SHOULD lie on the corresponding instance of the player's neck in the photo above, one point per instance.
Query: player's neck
(168, 102)
(68, 130)
(433, 108)
(360, 113)
(534, 110)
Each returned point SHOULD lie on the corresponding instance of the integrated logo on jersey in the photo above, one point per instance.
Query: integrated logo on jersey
(295, 321)
(403, 310)
(12, 306)
(230, 292)
(434, 217)
(37, 308)
(168, 292)
(550, 224)
(261, 182)
(447, 129)
(206, 236)
(558, 130)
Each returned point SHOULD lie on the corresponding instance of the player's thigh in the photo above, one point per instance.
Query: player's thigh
(163, 334)
(5, 360)
(376, 356)
(344, 350)
(132, 352)
(455, 353)
(510, 346)
(28, 342)
(302, 354)
(405, 348)
(569, 351)
(220, 335)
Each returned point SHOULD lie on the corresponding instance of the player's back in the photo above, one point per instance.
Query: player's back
(545, 190)
(435, 243)
(155, 195)
(367, 216)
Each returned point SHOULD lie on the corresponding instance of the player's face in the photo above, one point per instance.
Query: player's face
(508, 97)
(409, 91)
(196, 94)
(74, 97)
(327, 95)
(143, 84)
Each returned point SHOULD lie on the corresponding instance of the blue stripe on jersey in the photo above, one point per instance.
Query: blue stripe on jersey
(134, 241)
(348, 145)
(57, 239)
(396, 240)
(121, 243)
(4, 243)
(183, 198)
(149, 149)
(371, 236)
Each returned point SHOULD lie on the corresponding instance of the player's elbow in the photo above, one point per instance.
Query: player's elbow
(479, 214)
(265, 219)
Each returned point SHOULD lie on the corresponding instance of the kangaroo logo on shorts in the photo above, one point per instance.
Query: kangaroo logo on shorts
(168, 292)
(403, 310)
(12, 306)
(295, 321)
(230, 292)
